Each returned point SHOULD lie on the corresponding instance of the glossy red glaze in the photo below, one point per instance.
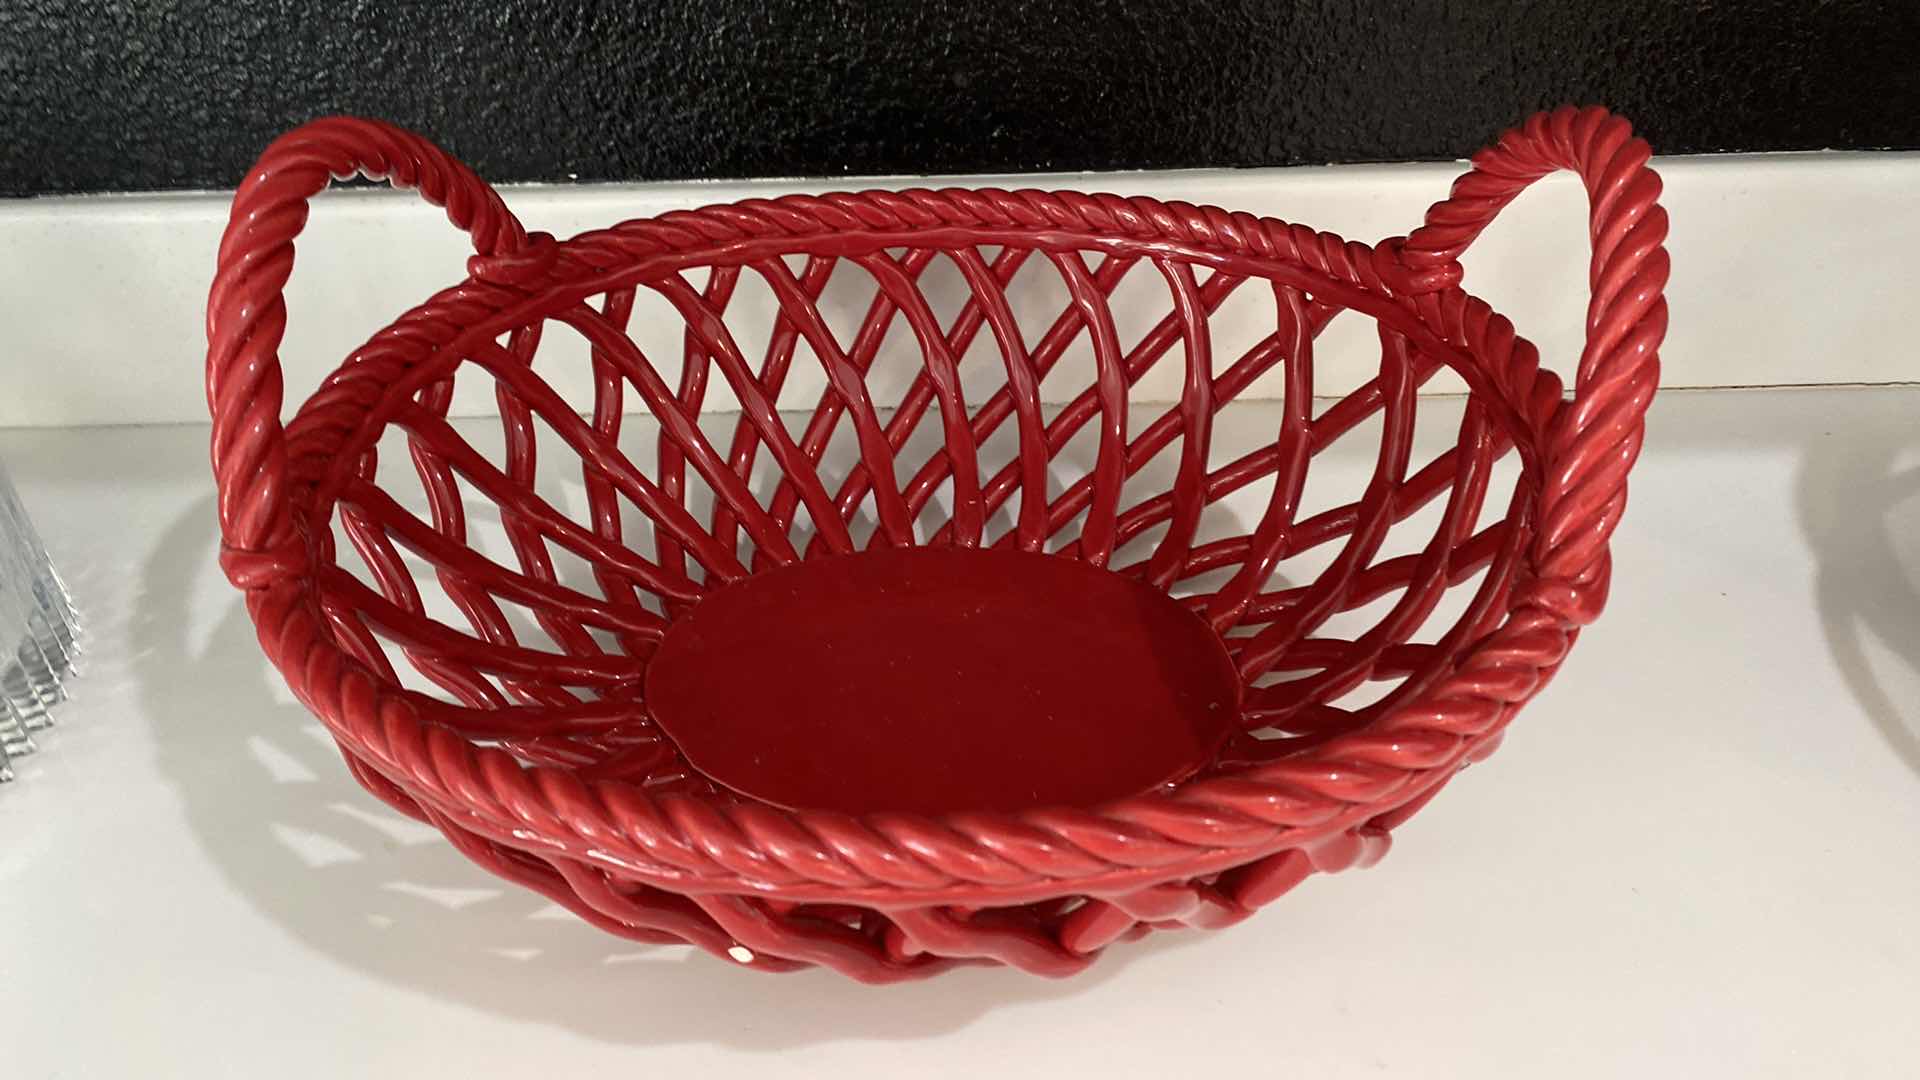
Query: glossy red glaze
(527, 741)
(938, 680)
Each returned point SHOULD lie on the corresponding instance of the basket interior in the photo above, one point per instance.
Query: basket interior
(1240, 444)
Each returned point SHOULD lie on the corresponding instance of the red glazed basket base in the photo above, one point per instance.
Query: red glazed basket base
(954, 693)
(940, 680)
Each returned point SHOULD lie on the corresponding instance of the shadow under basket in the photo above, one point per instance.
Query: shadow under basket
(960, 666)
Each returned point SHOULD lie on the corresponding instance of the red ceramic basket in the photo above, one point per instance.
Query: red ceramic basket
(889, 703)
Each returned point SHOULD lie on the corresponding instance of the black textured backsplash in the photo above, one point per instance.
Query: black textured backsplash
(153, 94)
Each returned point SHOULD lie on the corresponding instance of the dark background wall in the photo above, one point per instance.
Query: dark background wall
(147, 94)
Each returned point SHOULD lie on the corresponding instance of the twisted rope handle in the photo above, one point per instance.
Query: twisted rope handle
(1595, 436)
(247, 313)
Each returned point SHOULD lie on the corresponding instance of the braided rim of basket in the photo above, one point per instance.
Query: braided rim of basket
(270, 478)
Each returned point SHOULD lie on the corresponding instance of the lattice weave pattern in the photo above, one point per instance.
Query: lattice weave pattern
(496, 695)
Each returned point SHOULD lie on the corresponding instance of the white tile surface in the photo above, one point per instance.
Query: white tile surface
(1788, 269)
(1695, 855)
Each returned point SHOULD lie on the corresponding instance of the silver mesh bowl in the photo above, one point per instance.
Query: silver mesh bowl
(38, 632)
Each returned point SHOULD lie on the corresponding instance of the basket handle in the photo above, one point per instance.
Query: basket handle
(1596, 436)
(247, 313)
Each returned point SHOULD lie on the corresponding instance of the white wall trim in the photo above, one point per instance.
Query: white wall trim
(1791, 269)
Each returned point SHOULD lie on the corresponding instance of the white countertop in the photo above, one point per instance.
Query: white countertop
(1694, 856)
